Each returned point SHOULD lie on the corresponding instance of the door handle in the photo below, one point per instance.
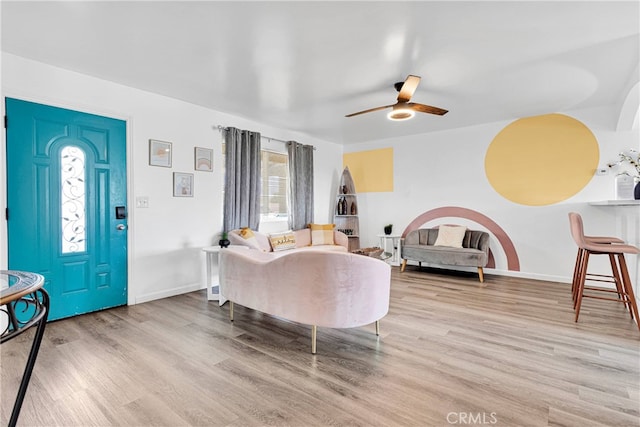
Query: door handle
(121, 227)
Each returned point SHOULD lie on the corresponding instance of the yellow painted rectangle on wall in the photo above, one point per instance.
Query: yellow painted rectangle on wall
(372, 170)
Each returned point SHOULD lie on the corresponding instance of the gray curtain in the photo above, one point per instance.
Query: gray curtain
(300, 185)
(242, 179)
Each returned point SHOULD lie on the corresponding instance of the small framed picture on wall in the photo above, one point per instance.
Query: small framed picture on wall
(182, 184)
(203, 159)
(159, 153)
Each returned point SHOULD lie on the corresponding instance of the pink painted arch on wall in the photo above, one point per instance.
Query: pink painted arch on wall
(513, 262)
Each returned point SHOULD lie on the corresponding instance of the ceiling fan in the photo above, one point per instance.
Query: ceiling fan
(403, 109)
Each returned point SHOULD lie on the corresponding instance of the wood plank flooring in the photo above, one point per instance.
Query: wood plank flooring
(452, 351)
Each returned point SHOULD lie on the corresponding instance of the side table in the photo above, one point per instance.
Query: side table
(211, 280)
(23, 304)
(391, 243)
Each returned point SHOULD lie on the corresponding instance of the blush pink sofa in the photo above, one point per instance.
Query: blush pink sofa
(314, 287)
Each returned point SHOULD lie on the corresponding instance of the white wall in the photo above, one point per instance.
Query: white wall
(447, 169)
(164, 239)
(431, 170)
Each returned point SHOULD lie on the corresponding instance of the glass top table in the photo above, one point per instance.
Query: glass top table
(23, 304)
(15, 284)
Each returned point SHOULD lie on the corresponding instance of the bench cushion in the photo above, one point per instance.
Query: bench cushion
(445, 255)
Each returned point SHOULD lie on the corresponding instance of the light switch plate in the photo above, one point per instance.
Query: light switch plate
(142, 202)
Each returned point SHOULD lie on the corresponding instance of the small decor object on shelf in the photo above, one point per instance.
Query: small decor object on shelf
(345, 189)
(224, 241)
(632, 158)
(624, 187)
(354, 209)
(343, 206)
(388, 228)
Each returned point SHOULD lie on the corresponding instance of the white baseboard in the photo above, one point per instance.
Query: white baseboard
(520, 274)
(534, 276)
(509, 273)
(167, 293)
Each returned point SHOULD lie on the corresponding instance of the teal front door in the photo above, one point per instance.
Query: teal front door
(66, 204)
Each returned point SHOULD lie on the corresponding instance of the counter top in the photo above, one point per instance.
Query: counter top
(616, 203)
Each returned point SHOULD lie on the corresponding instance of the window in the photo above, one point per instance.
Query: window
(274, 203)
(72, 199)
(274, 200)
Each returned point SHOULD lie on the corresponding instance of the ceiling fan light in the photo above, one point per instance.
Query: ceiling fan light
(400, 114)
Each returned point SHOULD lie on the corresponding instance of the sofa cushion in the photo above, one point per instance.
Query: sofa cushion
(249, 238)
(450, 235)
(321, 234)
(242, 237)
(282, 241)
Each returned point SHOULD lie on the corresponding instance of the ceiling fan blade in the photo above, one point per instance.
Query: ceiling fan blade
(369, 110)
(408, 88)
(427, 109)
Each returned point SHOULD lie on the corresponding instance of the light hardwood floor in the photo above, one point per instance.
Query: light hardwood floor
(451, 352)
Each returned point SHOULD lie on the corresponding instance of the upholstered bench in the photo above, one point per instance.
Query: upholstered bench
(446, 246)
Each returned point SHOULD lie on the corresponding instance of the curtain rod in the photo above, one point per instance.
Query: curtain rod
(221, 128)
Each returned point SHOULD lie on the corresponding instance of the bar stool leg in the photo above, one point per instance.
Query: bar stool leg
(576, 274)
(626, 283)
(574, 282)
(622, 294)
(582, 278)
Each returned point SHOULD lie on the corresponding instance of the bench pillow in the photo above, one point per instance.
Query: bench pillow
(450, 235)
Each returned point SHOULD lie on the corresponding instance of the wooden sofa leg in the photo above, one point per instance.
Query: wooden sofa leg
(231, 311)
(314, 332)
(481, 274)
(404, 264)
(377, 327)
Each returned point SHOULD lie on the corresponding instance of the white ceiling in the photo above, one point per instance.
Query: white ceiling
(304, 65)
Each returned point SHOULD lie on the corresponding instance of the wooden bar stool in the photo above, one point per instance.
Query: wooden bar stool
(596, 277)
(620, 273)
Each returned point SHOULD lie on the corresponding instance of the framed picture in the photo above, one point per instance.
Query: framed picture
(159, 153)
(182, 184)
(203, 159)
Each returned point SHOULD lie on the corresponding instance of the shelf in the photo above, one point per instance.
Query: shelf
(616, 203)
(347, 206)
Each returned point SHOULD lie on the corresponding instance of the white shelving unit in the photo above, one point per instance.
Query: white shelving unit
(347, 220)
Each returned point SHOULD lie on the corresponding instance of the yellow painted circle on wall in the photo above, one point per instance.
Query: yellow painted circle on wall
(542, 160)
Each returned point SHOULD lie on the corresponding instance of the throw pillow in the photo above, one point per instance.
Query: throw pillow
(282, 241)
(322, 234)
(450, 235)
(249, 238)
